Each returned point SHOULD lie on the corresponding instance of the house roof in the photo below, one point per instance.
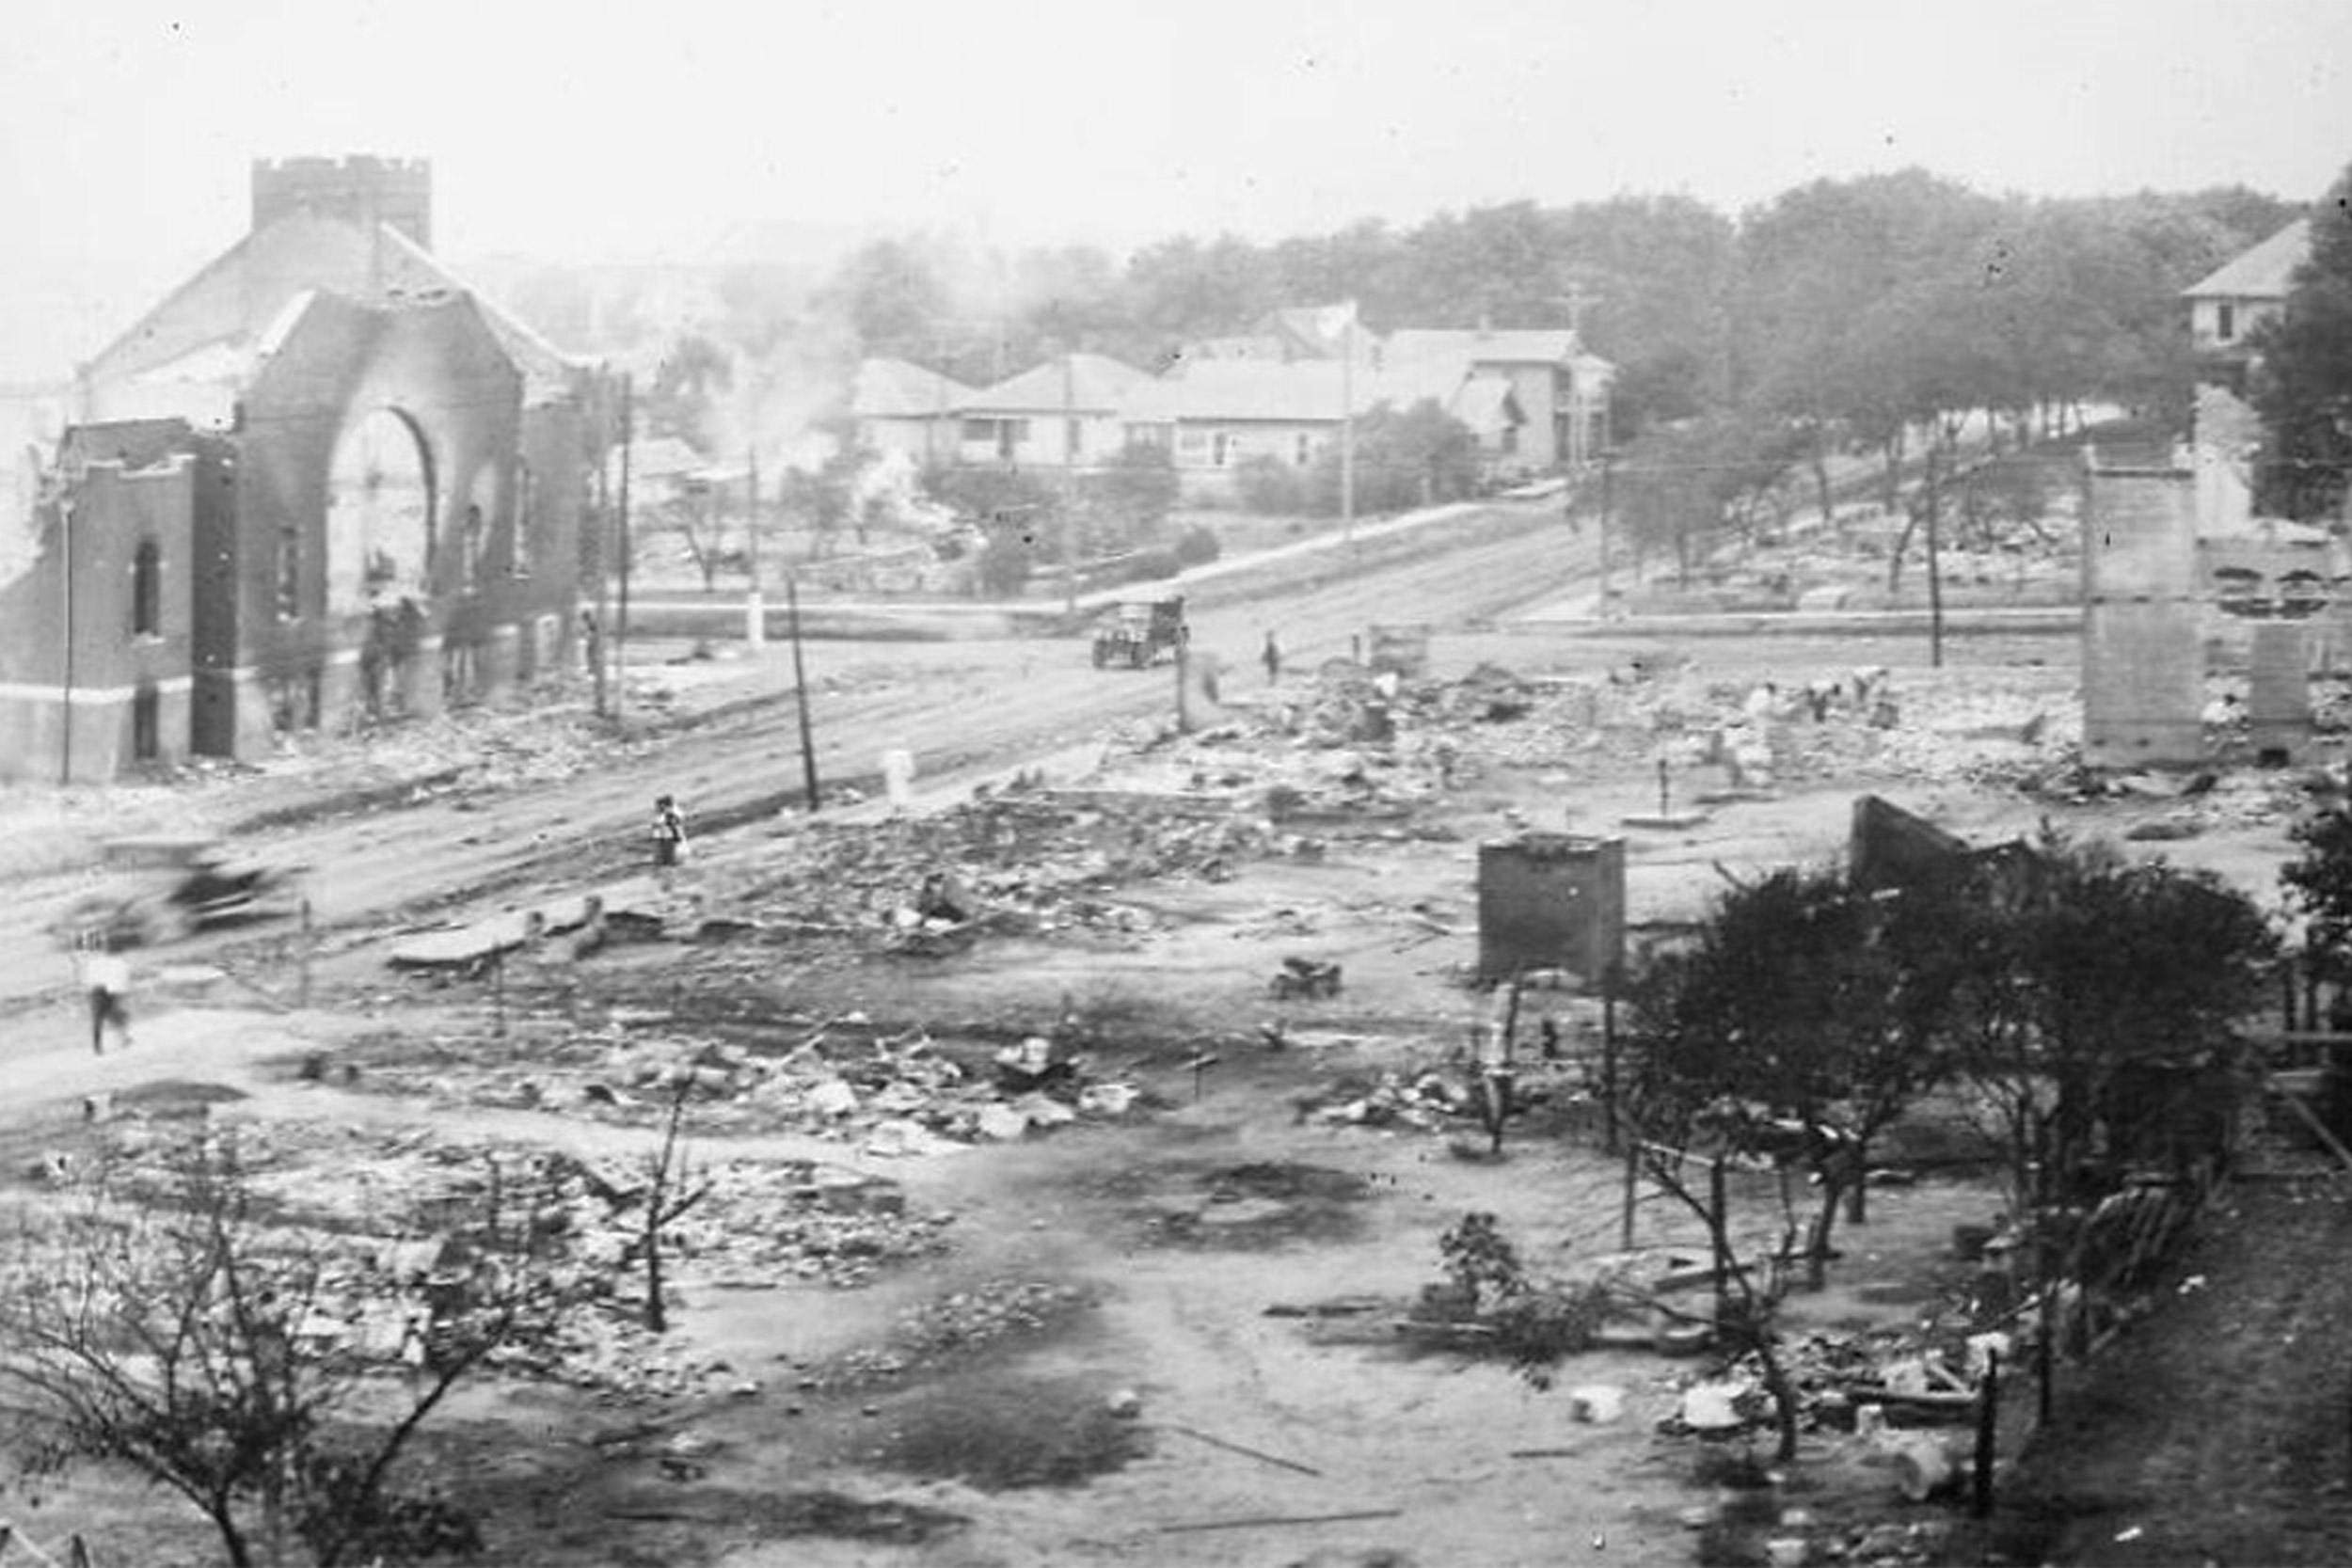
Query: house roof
(895, 390)
(1309, 391)
(1084, 383)
(1546, 345)
(1306, 391)
(211, 326)
(2264, 272)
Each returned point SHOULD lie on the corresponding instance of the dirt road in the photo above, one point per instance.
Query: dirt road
(964, 708)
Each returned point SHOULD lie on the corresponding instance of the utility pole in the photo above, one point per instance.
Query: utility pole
(1069, 480)
(604, 580)
(755, 603)
(1935, 567)
(800, 686)
(65, 693)
(620, 629)
(1608, 480)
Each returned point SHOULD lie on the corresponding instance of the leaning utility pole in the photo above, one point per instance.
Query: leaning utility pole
(800, 686)
(620, 629)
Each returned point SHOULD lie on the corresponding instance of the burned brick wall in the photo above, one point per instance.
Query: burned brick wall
(2143, 656)
(95, 624)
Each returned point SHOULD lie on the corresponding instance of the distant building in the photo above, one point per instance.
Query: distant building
(1563, 391)
(1064, 412)
(1218, 413)
(2245, 293)
(906, 409)
(320, 481)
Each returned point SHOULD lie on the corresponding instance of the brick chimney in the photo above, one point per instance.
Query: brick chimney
(360, 189)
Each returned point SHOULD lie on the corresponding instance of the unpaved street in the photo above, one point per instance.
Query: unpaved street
(964, 708)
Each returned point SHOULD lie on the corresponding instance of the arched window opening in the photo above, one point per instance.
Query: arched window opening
(147, 590)
(379, 516)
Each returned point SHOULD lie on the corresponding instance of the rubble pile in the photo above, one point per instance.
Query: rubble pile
(889, 1095)
(1029, 864)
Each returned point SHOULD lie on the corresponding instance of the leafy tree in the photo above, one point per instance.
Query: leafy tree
(1417, 456)
(686, 387)
(207, 1347)
(1806, 1018)
(2303, 385)
(2078, 971)
(892, 294)
(1679, 487)
(1134, 494)
(1269, 486)
(2319, 883)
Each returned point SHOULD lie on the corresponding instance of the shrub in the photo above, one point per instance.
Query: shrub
(1153, 566)
(1268, 485)
(1198, 545)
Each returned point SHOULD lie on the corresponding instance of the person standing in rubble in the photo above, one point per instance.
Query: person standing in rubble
(669, 832)
(1272, 658)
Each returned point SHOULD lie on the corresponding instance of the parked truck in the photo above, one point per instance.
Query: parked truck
(1138, 631)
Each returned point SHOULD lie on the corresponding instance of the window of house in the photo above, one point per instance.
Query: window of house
(1192, 443)
(2225, 322)
(1011, 435)
(979, 430)
(289, 573)
(147, 590)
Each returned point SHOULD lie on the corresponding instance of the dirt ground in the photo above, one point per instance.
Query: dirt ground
(1085, 1369)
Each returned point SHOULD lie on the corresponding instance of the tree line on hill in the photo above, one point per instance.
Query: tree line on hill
(1874, 316)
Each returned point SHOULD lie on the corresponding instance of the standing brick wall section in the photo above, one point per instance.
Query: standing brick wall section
(2143, 656)
(1552, 901)
(89, 687)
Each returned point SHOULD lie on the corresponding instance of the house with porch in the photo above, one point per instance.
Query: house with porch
(1062, 413)
(1563, 391)
(1213, 416)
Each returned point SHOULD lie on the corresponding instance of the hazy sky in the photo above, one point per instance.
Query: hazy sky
(692, 129)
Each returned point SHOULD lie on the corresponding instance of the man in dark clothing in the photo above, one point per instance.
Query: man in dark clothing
(669, 831)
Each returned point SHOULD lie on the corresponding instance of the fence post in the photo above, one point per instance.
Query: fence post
(1632, 1176)
(1718, 1223)
(1988, 1429)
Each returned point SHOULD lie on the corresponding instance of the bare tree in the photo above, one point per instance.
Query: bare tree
(229, 1359)
(667, 1198)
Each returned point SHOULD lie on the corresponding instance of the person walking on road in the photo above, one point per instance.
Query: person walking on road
(669, 832)
(1272, 658)
(106, 976)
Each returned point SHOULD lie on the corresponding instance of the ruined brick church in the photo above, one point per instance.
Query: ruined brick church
(320, 482)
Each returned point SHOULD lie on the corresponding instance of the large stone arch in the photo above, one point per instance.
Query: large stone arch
(379, 515)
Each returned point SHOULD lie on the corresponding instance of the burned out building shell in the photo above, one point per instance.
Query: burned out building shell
(320, 482)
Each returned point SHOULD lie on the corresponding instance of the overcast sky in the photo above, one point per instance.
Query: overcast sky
(698, 129)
